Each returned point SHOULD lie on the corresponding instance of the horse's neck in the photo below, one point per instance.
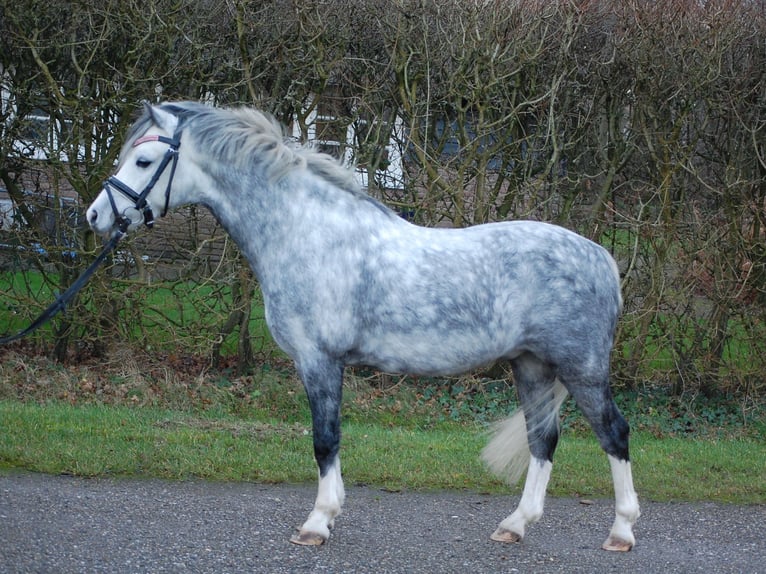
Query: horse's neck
(259, 219)
(243, 217)
(270, 224)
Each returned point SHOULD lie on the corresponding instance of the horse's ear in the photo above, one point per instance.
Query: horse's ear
(162, 118)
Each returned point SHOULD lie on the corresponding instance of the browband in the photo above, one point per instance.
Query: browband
(155, 138)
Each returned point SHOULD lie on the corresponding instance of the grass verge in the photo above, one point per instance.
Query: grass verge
(98, 440)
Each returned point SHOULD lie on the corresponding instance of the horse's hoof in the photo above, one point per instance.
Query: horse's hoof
(306, 538)
(615, 544)
(504, 535)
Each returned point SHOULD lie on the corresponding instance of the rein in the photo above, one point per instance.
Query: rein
(61, 302)
(122, 223)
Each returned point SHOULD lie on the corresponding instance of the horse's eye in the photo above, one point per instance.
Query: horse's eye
(143, 163)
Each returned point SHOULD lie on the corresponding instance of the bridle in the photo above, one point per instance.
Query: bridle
(122, 221)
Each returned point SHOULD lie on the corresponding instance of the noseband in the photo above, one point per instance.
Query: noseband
(139, 199)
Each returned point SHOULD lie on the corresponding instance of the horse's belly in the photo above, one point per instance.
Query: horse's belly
(430, 353)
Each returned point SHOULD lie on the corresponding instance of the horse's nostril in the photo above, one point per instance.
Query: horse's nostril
(92, 217)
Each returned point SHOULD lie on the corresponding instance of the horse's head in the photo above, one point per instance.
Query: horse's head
(145, 178)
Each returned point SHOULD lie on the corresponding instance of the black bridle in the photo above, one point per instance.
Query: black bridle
(122, 222)
(140, 204)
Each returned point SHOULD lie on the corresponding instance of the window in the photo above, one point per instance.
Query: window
(330, 129)
(336, 127)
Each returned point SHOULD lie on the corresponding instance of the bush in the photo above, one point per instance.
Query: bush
(637, 124)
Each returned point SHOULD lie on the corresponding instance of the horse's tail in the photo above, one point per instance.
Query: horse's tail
(507, 454)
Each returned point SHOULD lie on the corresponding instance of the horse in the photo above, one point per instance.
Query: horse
(346, 281)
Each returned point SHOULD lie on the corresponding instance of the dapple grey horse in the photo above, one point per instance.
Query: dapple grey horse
(346, 281)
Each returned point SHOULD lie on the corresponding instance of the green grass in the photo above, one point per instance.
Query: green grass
(130, 413)
(23, 293)
(164, 315)
(171, 311)
(99, 440)
(166, 414)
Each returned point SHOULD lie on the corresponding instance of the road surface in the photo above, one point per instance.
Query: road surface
(66, 524)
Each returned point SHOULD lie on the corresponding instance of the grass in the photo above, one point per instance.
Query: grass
(164, 315)
(163, 413)
(99, 440)
(166, 414)
(22, 290)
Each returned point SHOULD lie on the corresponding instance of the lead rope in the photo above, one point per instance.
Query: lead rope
(61, 302)
(122, 223)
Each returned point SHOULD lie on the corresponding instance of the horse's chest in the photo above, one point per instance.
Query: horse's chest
(306, 322)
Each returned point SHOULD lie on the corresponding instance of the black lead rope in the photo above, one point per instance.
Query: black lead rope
(122, 222)
(61, 302)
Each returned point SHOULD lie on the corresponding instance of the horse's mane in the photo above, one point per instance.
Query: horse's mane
(244, 137)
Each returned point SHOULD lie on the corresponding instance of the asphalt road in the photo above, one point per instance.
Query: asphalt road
(64, 524)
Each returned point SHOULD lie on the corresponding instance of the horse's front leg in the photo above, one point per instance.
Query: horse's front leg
(323, 383)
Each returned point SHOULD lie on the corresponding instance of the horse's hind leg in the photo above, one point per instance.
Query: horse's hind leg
(535, 383)
(598, 406)
(323, 382)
